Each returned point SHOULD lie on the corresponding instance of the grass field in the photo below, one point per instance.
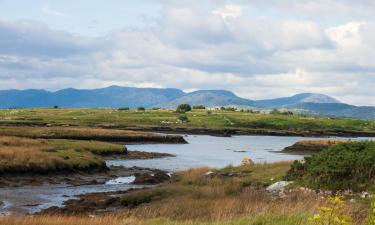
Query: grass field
(21, 155)
(197, 119)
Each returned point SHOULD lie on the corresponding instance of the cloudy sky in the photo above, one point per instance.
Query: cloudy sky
(255, 48)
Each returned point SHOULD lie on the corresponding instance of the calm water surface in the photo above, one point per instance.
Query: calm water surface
(215, 151)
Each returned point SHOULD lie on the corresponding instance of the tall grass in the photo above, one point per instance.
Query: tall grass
(21, 155)
(88, 133)
(266, 219)
(67, 220)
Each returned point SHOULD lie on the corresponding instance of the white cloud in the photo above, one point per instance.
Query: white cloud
(215, 45)
(229, 10)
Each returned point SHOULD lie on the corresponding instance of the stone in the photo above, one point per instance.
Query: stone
(278, 186)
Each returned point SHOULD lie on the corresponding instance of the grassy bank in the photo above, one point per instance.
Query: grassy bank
(229, 196)
(233, 195)
(26, 155)
(198, 119)
(88, 133)
(219, 195)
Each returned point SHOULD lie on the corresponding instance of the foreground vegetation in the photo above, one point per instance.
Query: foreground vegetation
(197, 119)
(229, 196)
(349, 165)
(26, 155)
(269, 219)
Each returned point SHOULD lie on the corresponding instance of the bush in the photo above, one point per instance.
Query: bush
(199, 107)
(141, 109)
(344, 166)
(183, 108)
(232, 109)
(124, 109)
(183, 118)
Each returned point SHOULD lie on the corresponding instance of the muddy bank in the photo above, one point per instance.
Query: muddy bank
(311, 146)
(183, 130)
(130, 155)
(75, 179)
(87, 177)
(89, 204)
(231, 132)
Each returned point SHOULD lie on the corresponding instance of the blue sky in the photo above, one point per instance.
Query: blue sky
(86, 17)
(255, 48)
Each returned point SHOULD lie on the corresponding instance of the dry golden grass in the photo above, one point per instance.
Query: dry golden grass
(63, 220)
(20, 155)
(23, 154)
(326, 143)
(218, 197)
(86, 133)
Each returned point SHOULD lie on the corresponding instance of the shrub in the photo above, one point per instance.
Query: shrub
(332, 214)
(124, 109)
(183, 118)
(232, 109)
(141, 109)
(183, 108)
(344, 166)
(199, 107)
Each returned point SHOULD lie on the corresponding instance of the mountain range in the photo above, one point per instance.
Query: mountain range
(116, 97)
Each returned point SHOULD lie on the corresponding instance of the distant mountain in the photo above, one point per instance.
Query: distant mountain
(113, 96)
(210, 98)
(116, 97)
(296, 99)
(338, 110)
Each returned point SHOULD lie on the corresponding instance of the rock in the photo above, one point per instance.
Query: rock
(278, 186)
(209, 173)
(365, 194)
(282, 194)
(151, 178)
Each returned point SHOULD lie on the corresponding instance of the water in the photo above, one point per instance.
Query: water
(33, 199)
(215, 151)
(201, 151)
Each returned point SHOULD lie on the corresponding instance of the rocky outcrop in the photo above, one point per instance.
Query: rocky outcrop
(151, 178)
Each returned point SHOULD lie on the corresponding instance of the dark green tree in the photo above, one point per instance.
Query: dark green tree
(183, 108)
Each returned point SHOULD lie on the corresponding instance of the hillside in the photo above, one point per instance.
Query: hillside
(116, 97)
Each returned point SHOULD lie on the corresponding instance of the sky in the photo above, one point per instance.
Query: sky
(258, 49)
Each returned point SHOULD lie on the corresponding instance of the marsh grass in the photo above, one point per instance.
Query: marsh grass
(26, 155)
(266, 219)
(202, 197)
(87, 133)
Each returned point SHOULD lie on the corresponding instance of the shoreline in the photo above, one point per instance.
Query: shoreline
(243, 132)
(87, 177)
(220, 132)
